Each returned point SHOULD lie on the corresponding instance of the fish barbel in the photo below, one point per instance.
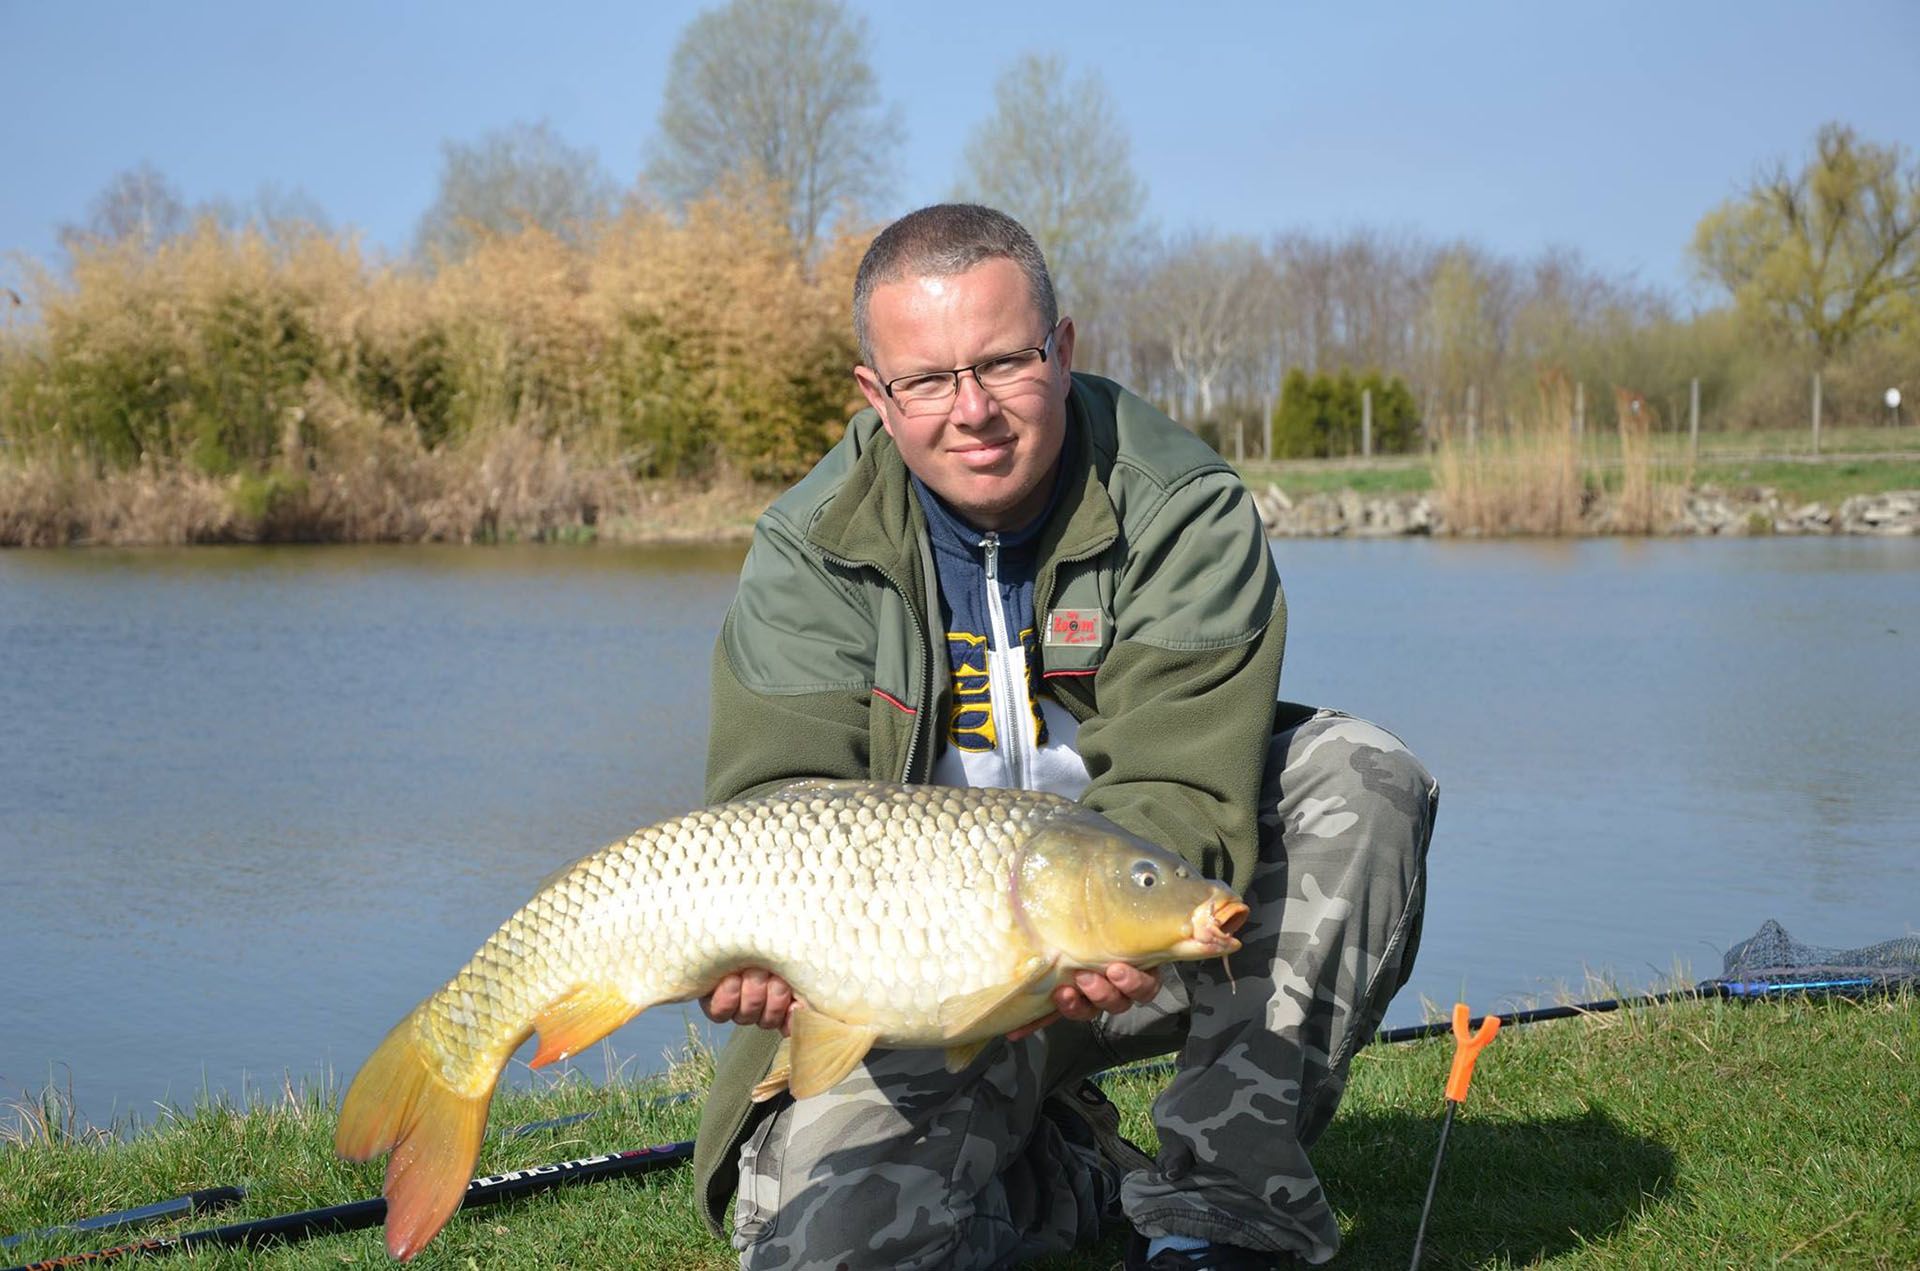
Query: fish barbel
(903, 916)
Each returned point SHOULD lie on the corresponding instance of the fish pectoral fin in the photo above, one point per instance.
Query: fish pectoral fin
(779, 1073)
(958, 1057)
(965, 1014)
(577, 1019)
(822, 1050)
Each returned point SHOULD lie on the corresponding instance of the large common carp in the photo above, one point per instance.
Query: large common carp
(902, 916)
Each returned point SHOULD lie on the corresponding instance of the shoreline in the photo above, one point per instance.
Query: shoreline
(125, 513)
(1703, 512)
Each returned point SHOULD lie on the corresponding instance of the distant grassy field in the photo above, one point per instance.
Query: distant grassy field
(1702, 1134)
(1851, 461)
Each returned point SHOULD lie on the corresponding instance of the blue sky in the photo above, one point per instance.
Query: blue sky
(1610, 128)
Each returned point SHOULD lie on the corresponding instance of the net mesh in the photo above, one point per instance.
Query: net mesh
(1771, 956)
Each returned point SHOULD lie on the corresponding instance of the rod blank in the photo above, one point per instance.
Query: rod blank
(360, 1214)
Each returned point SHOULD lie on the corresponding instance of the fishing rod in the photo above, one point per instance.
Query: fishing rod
(360, 1214)
(1706, 990)
(206, 1200)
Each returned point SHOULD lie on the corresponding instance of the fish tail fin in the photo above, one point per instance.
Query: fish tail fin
(400, 1102)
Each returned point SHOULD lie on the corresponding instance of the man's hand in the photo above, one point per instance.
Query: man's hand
(1091, 994)
(754, 996)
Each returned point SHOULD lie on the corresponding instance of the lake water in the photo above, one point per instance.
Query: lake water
(255, 803)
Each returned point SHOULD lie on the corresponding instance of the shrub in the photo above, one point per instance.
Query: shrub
(1322, 417)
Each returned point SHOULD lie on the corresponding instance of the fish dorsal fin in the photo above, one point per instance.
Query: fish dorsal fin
(967, 1013)
(822, 1050)
(579, 1018)
(779, 1073)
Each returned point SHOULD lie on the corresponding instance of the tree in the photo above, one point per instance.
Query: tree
(1054, 157)
(1208, 298)
(510, 179)
(138, 205)
(1464, 325)
(1824, 255)
(781, 91)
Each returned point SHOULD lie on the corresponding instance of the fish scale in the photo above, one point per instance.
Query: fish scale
(901, 916)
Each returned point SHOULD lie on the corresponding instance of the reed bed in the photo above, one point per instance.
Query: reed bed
(224, 387)
(1533, 476)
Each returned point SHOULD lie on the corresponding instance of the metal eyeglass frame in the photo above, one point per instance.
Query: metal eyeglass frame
(1044, 349)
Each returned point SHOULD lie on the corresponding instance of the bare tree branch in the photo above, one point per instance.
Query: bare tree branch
(1054, 156)
(520, 176)
(777, 90)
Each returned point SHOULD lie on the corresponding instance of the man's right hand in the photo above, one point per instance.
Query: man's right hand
(754, 996)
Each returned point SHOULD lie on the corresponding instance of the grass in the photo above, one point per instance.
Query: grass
(1516, 484)
(1830, 482)
(1301, 477)
(1710, 1133)
(1779, 442)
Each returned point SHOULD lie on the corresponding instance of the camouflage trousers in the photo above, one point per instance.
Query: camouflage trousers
(905, 1165)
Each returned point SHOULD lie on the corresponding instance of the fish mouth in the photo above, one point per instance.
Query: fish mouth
(1213, 925)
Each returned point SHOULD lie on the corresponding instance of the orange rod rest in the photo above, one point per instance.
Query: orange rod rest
(1466, 1048)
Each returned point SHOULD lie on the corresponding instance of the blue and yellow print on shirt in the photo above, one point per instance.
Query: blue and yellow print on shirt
(970, 727)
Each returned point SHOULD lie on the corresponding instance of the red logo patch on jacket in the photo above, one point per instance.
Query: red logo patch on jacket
(1073, 626)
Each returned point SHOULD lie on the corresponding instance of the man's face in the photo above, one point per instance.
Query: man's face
(989, 454)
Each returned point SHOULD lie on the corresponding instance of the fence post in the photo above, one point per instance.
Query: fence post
(1266, 435)
(1473, 416)
(1816, 412)
(1366, 423)
(1579, 409)
(1693, 420)
(1239, 439)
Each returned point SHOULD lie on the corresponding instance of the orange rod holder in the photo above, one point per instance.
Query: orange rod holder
(1466, 1048)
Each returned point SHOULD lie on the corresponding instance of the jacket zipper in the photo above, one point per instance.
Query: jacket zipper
(1013, 722)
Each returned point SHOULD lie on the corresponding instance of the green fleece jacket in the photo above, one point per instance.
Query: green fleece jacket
(831, 661)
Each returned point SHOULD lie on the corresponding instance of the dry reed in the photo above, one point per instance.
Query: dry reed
(224, 388)
(1530, 477)
(1525, 480)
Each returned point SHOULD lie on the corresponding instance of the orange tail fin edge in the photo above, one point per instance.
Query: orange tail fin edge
(398, 1102)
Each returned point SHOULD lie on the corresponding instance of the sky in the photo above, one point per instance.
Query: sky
(1609, 128)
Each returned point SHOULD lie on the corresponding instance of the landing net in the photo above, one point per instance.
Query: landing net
(1771, 961)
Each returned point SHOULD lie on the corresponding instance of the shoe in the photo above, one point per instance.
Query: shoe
(1086, 1117)
(1211, 1258)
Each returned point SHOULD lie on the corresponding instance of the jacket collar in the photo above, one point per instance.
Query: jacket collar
(875, 519)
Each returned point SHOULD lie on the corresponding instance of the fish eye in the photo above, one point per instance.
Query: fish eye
(1145, 874)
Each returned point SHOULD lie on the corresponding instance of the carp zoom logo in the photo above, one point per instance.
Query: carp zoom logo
(1073, 626)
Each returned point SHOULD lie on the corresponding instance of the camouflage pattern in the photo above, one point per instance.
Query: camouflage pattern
(905, 1165)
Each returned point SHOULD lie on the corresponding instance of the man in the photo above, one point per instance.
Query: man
(1009, 574)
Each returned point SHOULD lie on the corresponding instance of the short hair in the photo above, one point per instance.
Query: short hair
(943, 240)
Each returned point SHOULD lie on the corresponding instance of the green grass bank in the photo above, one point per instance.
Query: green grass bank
(1851, 461)
(1700, 1134)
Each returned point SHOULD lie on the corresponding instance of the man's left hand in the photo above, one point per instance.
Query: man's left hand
(1091, 994)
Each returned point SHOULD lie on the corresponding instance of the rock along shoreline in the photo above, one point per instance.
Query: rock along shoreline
(1707, 511)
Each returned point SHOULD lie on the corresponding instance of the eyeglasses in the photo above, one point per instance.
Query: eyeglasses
(933, 392)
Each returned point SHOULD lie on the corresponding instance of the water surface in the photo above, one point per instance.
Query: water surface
(255, 803)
